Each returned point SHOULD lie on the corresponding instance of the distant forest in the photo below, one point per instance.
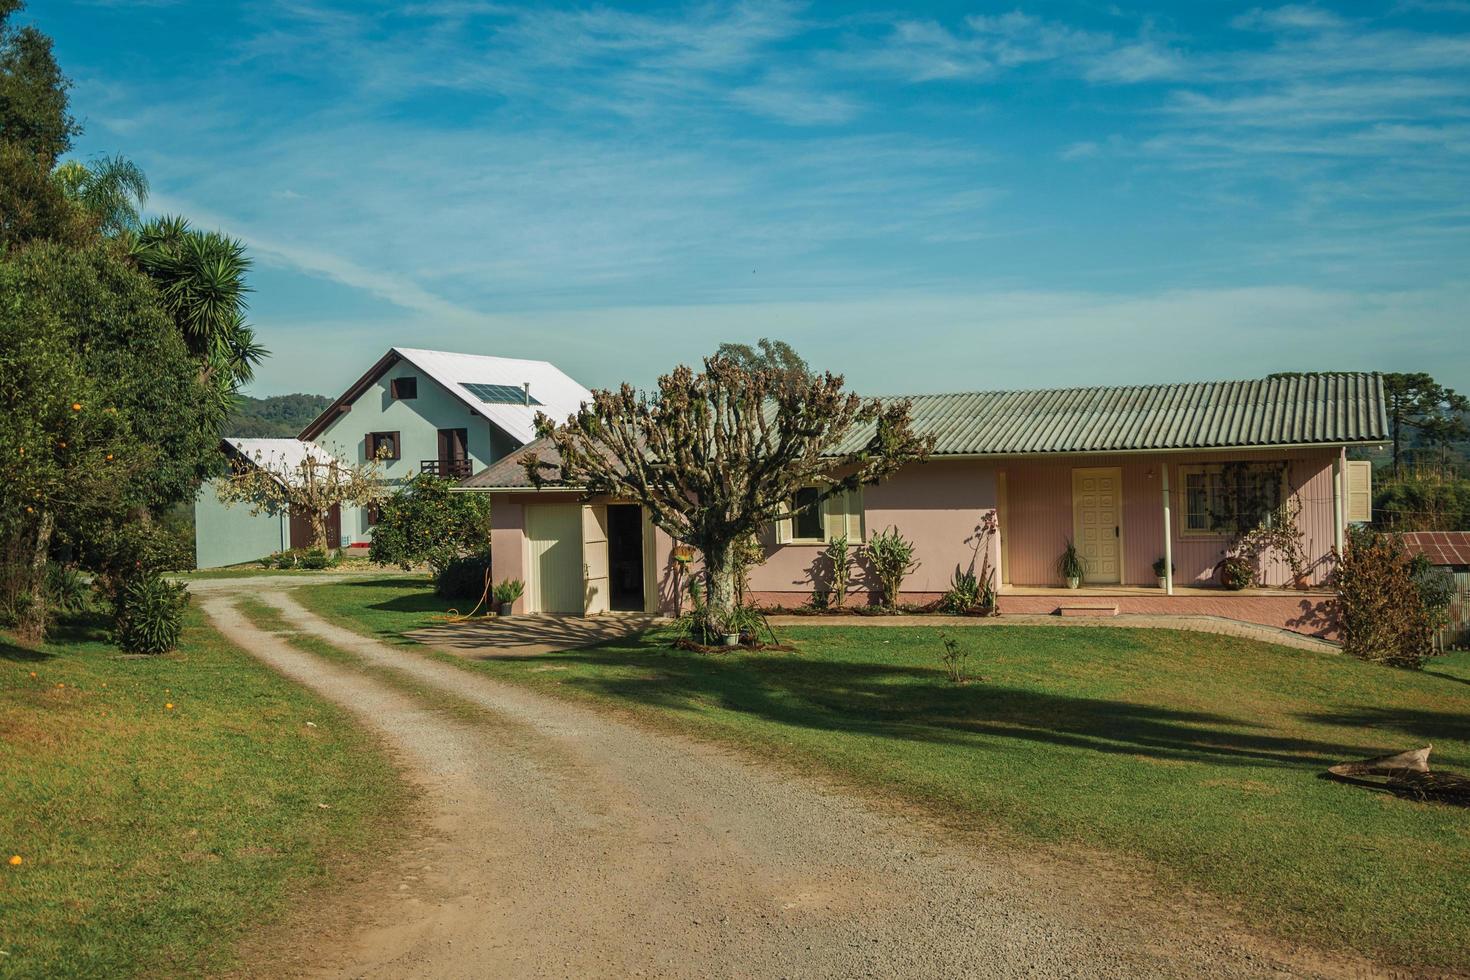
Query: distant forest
(279, 416)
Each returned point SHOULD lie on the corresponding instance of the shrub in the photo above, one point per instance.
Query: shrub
(963, 594)
(1436, 589)
(892, 558)
(955, 658)
(67, 589)
(286, 559)
(427, 523)
(463, 578)
(839, 554)
(1381, 608)
(150, 614)
(316, 559)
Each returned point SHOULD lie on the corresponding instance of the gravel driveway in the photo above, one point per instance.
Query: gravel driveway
(563, 842)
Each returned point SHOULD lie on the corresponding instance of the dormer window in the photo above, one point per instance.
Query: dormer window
(404, 388)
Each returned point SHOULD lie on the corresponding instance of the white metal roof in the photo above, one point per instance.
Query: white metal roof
(282, 458)
(559, 396)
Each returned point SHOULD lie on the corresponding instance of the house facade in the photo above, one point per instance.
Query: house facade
(1168, 474)
(414, 411)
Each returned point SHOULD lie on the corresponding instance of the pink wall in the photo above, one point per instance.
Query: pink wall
(940, 506)
(1038, 516)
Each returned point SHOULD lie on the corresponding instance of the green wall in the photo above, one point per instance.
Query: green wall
(231, 535)
(417, 421)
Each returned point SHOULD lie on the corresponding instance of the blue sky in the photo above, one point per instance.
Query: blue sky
(933, 198)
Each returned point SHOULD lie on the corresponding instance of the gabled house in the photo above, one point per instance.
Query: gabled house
(1132, 475)
(415, 411)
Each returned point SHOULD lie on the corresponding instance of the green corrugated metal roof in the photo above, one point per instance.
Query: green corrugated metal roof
(1327, 409)
(1314, 409)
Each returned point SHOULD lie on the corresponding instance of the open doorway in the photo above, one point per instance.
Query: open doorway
(625, 557)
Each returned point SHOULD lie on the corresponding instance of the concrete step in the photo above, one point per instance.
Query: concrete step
(1087, 609)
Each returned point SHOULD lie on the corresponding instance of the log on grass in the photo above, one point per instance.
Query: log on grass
(1407, 774)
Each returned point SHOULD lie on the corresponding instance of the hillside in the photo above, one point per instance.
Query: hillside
(278, 416)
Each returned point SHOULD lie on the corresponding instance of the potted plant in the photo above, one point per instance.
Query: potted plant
(1235, 573)
(1161, 573)
(506, 594)
(1071, 566)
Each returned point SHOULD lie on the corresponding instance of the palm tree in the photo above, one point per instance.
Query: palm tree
(113, 189)
(201, 277)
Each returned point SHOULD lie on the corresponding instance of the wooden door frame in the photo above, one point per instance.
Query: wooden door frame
(1122, 537)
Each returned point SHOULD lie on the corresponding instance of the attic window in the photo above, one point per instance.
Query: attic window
(403, 388)
(500, 394)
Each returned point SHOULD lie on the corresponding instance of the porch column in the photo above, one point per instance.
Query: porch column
(1168, 534)
(1338, 525)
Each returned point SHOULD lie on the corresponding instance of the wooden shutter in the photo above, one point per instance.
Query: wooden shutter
(843, 515)
(1359, 490)
(783, 530)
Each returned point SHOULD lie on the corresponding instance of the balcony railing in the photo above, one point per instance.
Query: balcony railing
(450, 469)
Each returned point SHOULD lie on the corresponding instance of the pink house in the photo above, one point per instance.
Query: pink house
(1134, 476)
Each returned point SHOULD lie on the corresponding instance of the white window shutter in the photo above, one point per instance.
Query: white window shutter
(854, 502)
(1359, 490)
(834, 522)
(783, 530)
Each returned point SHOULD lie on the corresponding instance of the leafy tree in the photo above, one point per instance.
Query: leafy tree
(111, 189)
(716, 456)
(310, 487)
(33, 207)
(33, 100)
(201, 278)
(1417, 402)
(428, 522)
(103, 413)
(775, 356)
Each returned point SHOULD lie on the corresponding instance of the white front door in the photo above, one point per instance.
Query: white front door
(1097, 520)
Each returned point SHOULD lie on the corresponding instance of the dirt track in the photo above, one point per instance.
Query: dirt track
(564, 843)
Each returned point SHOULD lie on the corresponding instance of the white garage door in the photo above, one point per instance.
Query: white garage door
(554, 564)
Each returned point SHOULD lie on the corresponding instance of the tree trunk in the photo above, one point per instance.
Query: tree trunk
(719, 576)
(31, 625)
(319, 530)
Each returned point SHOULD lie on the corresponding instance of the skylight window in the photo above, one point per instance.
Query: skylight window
(499, 394)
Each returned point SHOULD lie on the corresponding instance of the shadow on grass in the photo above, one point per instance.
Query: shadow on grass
(918, 704)
(72, 630)
(1424, 726)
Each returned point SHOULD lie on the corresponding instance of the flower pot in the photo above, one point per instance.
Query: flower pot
(1300, 583)
(730, 639)
(1074, 582)
(505, 608)
(1163, 582)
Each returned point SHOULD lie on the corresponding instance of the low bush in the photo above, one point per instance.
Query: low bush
(1380, 604)
(316, 559)
(463, 578)
(963, 594)
(150, 614)
(892, 557)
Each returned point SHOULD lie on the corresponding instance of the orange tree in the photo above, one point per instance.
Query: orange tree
(716, 455)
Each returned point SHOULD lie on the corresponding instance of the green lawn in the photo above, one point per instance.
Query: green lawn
(1199, 754)
(154, 839)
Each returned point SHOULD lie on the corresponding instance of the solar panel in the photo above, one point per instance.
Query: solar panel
(498, 394)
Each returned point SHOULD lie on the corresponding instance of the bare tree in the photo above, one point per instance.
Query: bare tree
(716, 456)
(310, 486)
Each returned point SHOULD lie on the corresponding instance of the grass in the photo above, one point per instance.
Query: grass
(1199, 754)
(155, 839)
